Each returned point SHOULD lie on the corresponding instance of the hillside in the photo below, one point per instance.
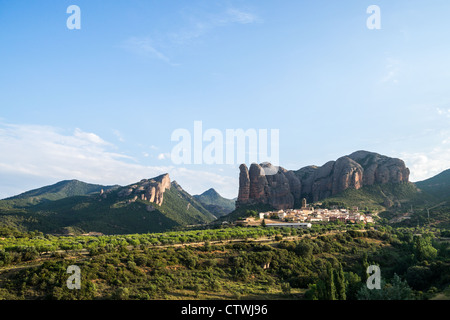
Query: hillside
(57, 191)
(215, 203)
(227, 264)
(116, 211)
(438, 186)
(399, 196)
(424, 203)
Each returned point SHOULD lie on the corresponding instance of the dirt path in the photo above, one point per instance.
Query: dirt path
(84, 252)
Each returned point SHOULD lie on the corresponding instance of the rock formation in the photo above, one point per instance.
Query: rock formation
(286, 188)
(151, 190)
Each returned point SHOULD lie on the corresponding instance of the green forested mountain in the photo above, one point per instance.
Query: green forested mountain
(57, 191)
(215, 203)
(438, 186)
(115, 211)
(156, 205)
(379, 197)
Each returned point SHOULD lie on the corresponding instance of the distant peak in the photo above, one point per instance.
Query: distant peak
(162, 177)
(174, 183)
(210, 191)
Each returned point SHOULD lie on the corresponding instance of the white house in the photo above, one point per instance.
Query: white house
(290, 225)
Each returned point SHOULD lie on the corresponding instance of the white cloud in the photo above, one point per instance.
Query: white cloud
(239, 16)
(202, 24)
(424, 165)
(119, 135)
(33, 156)
(86, 137)
(392, 71)
(444, 112)
(196, 27)
(163, 156)
(145, 47)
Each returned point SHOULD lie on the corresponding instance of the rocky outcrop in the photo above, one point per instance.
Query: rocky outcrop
(381, 169)
(273, 189)
(151, 190)
(286, 188)
(244, 183)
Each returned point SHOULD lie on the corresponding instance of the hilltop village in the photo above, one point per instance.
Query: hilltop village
(303, 217)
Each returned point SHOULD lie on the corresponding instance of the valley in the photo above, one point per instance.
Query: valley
(153, 240)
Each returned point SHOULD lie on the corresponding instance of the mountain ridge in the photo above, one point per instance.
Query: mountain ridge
(62, 189)
(285, 188)
(150, 205)
(438, 185)
(215, 203)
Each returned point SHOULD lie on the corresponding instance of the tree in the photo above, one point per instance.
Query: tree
(330, 283)
(365, 264)
(286, 288)
(121, 294)
(312, 293)
(341, 284)
(396, 290)
(304, 249)
(353, 282)
(423, 249)
(419, 277)
(196, 290)
(326, 287)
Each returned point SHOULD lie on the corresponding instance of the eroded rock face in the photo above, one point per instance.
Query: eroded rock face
(244, 183)
(258, 183)
(277, 189)
(381, 169)
(151, 190)
(285, 188)
(347, 173)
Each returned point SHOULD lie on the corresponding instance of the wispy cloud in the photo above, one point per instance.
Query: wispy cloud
(144, 46)
(119, 135)
(443, 112)
(392, 71)
(242, 17)
(202, 24)
(195, 27)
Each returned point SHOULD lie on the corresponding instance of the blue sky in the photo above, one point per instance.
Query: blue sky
(99, 104)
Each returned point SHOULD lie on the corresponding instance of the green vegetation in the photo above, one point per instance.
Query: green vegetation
(438, 186)
(245, 211)
(228, 263)
(60, 190)
(180, 251)
(215, 203)
(110, 215)
(380, 197)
